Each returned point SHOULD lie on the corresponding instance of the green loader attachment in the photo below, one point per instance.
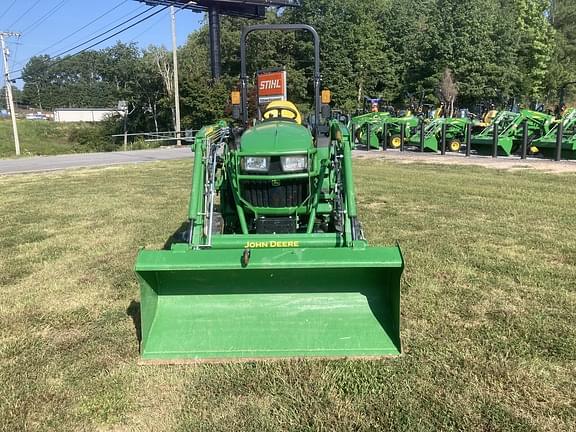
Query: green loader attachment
(508, 127)
(456, 130)
(273, 263)
(369, 123)
(380, 123)
(546, 145)
(510, 131)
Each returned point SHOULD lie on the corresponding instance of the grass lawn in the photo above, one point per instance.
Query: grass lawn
(488, 310)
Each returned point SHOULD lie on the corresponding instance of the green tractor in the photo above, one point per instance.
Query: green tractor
(456, 130)
(546, 145)
(510, 131)
(379, 123)
(370, 122)
(274, 262)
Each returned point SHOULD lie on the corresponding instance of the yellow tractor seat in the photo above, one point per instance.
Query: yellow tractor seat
(275, 109)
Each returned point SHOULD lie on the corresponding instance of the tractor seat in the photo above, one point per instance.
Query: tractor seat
(282, 110)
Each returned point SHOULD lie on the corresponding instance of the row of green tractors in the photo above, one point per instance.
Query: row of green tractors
(507, 133)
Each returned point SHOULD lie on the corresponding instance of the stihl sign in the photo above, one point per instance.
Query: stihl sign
(271, 86)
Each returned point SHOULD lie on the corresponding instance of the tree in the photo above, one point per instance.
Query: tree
(536, 45)
(448, 91)
(562, 16)
(400, 50)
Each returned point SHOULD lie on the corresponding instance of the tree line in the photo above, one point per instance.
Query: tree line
(492, 51)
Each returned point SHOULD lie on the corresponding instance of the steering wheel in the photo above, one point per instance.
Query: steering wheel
(278, 111)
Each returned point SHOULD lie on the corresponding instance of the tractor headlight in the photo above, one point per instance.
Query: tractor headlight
(294, 163)
(255, 164)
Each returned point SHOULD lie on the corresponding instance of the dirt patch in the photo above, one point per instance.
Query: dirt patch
(503, 163)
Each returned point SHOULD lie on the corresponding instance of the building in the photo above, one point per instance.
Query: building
(68, 115)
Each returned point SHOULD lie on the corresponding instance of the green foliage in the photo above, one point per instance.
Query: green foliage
(102, 79)
(95, 137)
(49, 138)
(563, 64)
(535, 50)
(498, 50)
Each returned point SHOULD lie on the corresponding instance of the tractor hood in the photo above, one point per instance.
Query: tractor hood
(276, 137)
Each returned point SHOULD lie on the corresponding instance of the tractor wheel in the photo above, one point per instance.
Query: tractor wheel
(395, 141)
(455, 145)
(532, 149)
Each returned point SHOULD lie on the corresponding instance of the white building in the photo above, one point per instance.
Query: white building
(67, 115)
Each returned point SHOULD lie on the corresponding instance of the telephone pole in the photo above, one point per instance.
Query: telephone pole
(176, 88)
(8, 86)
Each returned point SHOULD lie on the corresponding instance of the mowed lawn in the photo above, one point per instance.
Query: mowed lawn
(488, 310)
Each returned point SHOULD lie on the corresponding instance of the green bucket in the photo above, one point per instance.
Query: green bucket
(207, 305)
(485, 144)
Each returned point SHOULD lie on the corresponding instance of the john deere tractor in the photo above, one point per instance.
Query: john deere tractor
(456, 130)
(380, 123)
(510, 131)
(546, 145)
(274, 262)
(370, 123)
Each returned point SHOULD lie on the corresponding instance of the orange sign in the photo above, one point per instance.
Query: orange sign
(271, 86)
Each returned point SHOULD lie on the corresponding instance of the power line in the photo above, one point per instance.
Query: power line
(147, 29)
(109, 30)
(16, 51)
(74, 33)
(47, 15)
(25, 13)
(84, 26)
(9, 7)
(20, 65)
(120, 18)
(103, 33)
(127, 28)
(107, 38)
(154, 24)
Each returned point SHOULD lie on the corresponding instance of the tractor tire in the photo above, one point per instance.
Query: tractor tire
(395, 142)
(454, 145)
(532, 149)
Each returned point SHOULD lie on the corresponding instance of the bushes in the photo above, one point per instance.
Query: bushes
(50, 138)
(97, 137)
(89, 139)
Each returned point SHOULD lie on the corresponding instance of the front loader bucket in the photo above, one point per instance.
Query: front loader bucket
(205, 305)
(484, 145)
(431, 144)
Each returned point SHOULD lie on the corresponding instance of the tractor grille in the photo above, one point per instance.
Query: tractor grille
(275, 194)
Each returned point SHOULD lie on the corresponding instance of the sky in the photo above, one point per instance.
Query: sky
(55, 26)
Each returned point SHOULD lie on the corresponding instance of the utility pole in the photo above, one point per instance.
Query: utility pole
(38, 93)
(8, 86)
(175, 67)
